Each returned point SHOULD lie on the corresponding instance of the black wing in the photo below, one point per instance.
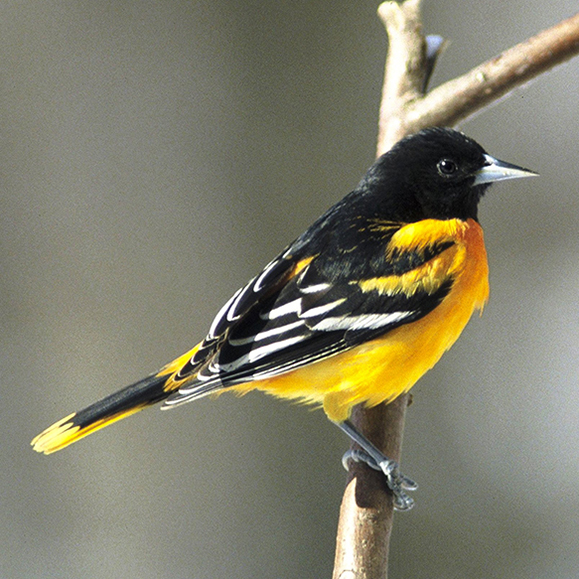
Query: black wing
(307, 306)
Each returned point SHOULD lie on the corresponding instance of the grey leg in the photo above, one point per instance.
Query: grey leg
(374, 458)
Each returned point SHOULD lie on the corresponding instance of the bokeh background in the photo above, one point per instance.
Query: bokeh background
(153, 156)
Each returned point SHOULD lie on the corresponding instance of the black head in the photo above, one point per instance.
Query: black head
(437, 173)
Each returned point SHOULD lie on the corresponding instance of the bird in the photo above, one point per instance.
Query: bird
(354, 311)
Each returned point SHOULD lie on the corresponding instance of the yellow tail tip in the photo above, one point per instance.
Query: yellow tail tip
(72, 428)
(57, 436)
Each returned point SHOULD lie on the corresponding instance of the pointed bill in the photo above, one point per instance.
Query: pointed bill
(495, 170)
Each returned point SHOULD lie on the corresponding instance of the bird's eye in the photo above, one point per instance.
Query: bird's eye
(447, 167)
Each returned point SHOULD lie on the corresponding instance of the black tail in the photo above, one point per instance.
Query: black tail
(119, 405)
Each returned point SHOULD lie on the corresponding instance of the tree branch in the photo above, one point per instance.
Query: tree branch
(405, 73)
(460, 98)
(366, 514)
(407, 110)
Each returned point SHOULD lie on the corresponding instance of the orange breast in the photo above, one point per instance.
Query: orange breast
(382, 369)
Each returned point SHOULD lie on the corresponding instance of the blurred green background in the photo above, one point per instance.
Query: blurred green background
(153, 156)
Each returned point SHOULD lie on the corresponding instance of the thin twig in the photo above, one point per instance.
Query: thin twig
(461, 97)
(404, 112)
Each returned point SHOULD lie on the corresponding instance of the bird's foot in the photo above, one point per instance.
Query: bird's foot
(396, 481)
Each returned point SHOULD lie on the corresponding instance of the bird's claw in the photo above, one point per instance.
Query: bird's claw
(396, 481)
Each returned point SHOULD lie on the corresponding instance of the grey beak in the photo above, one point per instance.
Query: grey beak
(495, 170)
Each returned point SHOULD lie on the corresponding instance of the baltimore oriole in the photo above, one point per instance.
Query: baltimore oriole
(355, 310)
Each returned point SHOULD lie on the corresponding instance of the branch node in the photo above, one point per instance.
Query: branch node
(435, 46)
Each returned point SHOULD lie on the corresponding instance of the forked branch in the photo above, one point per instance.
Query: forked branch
(366, 513)
(406, 108)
